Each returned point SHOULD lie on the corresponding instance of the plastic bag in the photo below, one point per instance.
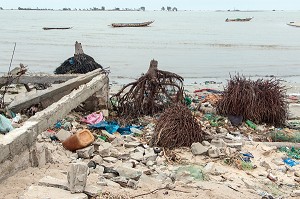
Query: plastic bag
(5, 125)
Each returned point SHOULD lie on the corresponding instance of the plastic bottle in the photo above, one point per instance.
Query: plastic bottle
(251, 124)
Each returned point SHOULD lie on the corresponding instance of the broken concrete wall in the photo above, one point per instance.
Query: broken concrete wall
(16, 145)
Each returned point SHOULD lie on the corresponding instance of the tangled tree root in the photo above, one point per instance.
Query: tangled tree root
(79, 63)
(177, 127)
(150, 94)
(262, 101)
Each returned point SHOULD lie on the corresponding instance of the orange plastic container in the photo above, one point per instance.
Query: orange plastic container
(79, 140)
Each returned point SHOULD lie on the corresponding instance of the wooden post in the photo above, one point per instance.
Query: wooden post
(78, 48)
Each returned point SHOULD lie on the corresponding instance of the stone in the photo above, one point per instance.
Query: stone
(110, 159)
(222, 130)
(218, 142)
(209, 167)
(139, 149)
(149, 155)
(236, 145)
(49, 181)
(62, 134)
(295, 193)
(278, 161)
(121, 180)
(132, 184)
(77, 176)
(86, 152)
(118, 142)
(103, 149)
(205, 143)
(213, 152)
(128, 172)
(297, 174)
(265, 165)
(97, 159)
(51, 193)
(132, 144)
(92, 191)
(150, 163)
(198, 148)
(137, 156)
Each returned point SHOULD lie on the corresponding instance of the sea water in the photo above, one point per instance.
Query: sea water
(198, 45)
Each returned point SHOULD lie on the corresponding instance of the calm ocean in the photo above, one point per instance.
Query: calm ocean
(197, 45)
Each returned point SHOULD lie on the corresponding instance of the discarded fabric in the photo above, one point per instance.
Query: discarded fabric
(93, 118)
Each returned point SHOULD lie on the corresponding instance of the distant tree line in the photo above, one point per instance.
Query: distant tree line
(169, 8)
(19, 8)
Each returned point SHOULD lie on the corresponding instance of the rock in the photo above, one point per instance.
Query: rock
(98, 159)
(51, 193)
(132, 144)
(139, 149)
(137, 156)
(278, 161)
(86, 152)
(92, 191)
(150, 163)
(77, 176)
(160, 161)
(198, 149)
(132, 184)
(238, 145)
(213, 152)
(218, 142)
(222, 130)
(62, 134)
(295, 193)
(108, 135)
(148, 182)
(149, 155)
(205, 143)
(118, 141)
(103, 148)
(110, 159)
(121, 180)
(130, 173)
(49, 181)
(265, 165)
(209, 167)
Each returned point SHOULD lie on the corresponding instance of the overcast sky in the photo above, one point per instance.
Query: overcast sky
(157, 4)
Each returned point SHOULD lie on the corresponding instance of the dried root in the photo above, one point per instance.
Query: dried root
(150, 94)
(262, 101)
(177, 127)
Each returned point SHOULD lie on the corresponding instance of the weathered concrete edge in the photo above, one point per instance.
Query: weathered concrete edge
(39, 78)
(21, 139)
(25, 100)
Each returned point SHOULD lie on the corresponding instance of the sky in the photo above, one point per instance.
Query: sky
(157, 4)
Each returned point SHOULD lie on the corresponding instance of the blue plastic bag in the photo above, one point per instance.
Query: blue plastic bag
(5, 125)
(290, 162)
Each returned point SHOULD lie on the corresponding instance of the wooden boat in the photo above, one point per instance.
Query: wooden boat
(239, 19)
(62, 28)
(143, 24)
(295, 24)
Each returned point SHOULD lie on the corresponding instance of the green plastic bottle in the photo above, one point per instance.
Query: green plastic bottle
(251, 124)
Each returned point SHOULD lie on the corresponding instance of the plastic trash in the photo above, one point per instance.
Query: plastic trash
(93, 118)
(235, 120)
(17, 118)
(290, 162)
(291, 152)
(251, 124)
(136, 131)
(5, 125)
(79, 140)
(110, 127)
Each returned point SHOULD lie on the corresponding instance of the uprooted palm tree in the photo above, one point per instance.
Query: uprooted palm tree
(79, 63)
(150, 94)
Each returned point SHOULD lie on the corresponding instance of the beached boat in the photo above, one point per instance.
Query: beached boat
(143, 24)
(295, 24)
(239, 19)
(62, 28)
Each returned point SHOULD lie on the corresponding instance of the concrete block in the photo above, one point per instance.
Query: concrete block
(86, 152)
(77, 176)
(198, 149)
(62, 134)
(51, 193)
